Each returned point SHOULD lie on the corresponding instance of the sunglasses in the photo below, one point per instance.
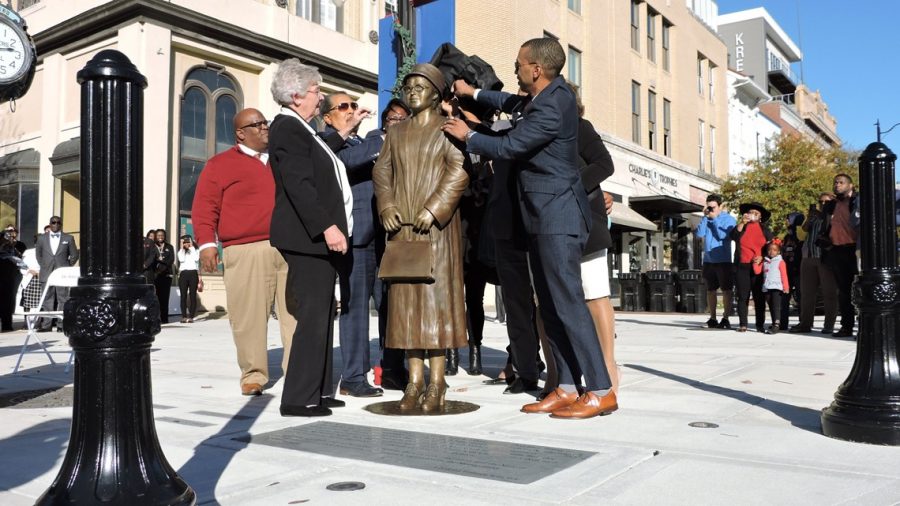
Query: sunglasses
(343, 106)
(55, 222)
(395, 118)
(258, 124)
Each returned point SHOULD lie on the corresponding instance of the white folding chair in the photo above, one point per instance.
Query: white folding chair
(64, 277)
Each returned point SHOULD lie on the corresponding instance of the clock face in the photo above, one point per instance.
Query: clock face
(15, 52)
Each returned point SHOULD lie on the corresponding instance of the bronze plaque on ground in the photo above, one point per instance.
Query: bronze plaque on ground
(477, 458)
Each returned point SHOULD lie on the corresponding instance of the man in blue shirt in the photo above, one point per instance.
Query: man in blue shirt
(715, 229)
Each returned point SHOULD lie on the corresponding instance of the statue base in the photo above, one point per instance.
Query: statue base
(392, 408)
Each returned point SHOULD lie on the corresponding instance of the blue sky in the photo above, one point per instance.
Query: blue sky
(850, 54)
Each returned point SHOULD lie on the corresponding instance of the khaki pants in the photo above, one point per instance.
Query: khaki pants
(815, 275)
(255, 277)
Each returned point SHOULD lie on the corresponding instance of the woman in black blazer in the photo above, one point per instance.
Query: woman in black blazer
(310, 228)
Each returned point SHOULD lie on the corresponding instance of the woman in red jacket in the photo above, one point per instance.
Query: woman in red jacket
(750, 236)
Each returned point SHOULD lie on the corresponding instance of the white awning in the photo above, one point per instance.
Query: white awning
(627, 218)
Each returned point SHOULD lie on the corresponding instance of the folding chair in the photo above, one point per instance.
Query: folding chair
(63, 276)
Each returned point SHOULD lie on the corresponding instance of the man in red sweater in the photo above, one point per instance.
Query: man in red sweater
(233, 202)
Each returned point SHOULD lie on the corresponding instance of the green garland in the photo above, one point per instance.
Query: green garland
(408, 46)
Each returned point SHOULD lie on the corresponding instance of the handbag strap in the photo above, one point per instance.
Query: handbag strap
(430, 237)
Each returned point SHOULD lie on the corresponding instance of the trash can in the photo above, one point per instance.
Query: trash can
(691, 292)
(632, 296)
(661, 291)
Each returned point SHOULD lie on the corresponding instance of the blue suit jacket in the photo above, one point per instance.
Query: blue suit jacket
(544, 145)
(358, 156)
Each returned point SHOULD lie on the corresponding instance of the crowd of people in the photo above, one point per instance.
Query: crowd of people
(775, 271)
(507, 197)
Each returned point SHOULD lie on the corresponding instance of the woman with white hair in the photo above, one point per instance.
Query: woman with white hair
(310, 228)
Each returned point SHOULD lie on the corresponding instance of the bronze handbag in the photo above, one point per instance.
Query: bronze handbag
(407, 261)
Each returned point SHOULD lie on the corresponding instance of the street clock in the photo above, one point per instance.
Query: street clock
(17, 56)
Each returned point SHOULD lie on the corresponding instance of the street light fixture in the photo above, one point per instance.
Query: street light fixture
(879, 132)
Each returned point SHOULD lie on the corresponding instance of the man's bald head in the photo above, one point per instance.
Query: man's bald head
(251, 129)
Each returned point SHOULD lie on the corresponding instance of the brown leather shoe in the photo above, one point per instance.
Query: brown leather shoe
(251, 389)
(556, 399)
(588, 406)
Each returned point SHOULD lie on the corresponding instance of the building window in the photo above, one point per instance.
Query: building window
(701, 145)
(710, 78)
(635, 112)
(666, 43)
(651, 35)
(575, 6)
(667, 128)
(635, 25)
(651, 120)
(712, 149)
(323, 12)
(210, 101)
(574, 65)
(701, 61)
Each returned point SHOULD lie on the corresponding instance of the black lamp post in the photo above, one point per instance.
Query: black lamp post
(879, 132)
(113, 455)
(866, 406)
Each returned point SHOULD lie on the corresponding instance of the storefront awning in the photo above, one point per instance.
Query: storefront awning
(20, 167)
(66, 158)
(656, 205)
(626, 218)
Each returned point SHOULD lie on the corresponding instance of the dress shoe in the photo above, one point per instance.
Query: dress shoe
(305, 411)
(434, 398)
(361, 389)
(251, 389)
(412, 397)
(588, 406)
(394, 380)
(452, 362)
(44, 329)
(494, 381)
(557, 399)
(520, 386)
(725, 324)
(184, 320)
(331, 402)
(799, 329)
(475, 360)
(827, 330)
(843, 333)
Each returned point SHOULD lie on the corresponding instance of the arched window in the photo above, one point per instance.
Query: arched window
(210, 101)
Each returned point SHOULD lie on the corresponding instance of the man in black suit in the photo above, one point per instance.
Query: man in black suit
(54, 249)
(556, 216)
(311, 226)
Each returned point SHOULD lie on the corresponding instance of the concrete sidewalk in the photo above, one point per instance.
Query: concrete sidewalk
(764, 394)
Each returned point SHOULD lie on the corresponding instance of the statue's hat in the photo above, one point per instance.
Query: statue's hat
(430, 72)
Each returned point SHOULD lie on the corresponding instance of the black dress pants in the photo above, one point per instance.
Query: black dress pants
(842, 261)
(187, 283)
(10, 278)
(163, 285)
(475, 280)
(749, 284)
(310, 282)
(518, 298)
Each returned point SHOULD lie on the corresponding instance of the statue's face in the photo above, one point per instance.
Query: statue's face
(419, 94)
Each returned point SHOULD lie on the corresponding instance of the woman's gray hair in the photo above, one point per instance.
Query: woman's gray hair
(291, 78)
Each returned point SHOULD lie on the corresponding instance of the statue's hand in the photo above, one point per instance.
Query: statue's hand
(424, 220)
(390, 219)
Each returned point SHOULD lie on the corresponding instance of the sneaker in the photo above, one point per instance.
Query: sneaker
(725, 324)
(712, 323)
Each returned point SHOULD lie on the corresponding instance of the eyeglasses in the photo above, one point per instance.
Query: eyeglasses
(395, 118)
(518, 65)
(417, 88)
(55, 222)
(343, 106)
(257, 124)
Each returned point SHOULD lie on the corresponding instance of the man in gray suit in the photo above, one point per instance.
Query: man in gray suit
(54, 249)
(556, 216)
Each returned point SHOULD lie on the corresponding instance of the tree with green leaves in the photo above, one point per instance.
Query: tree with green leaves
(789, 177)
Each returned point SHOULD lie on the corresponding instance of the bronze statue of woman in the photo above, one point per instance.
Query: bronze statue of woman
(419, 179)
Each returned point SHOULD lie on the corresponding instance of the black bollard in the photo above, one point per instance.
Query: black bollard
(113, 455)
(866, 406)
